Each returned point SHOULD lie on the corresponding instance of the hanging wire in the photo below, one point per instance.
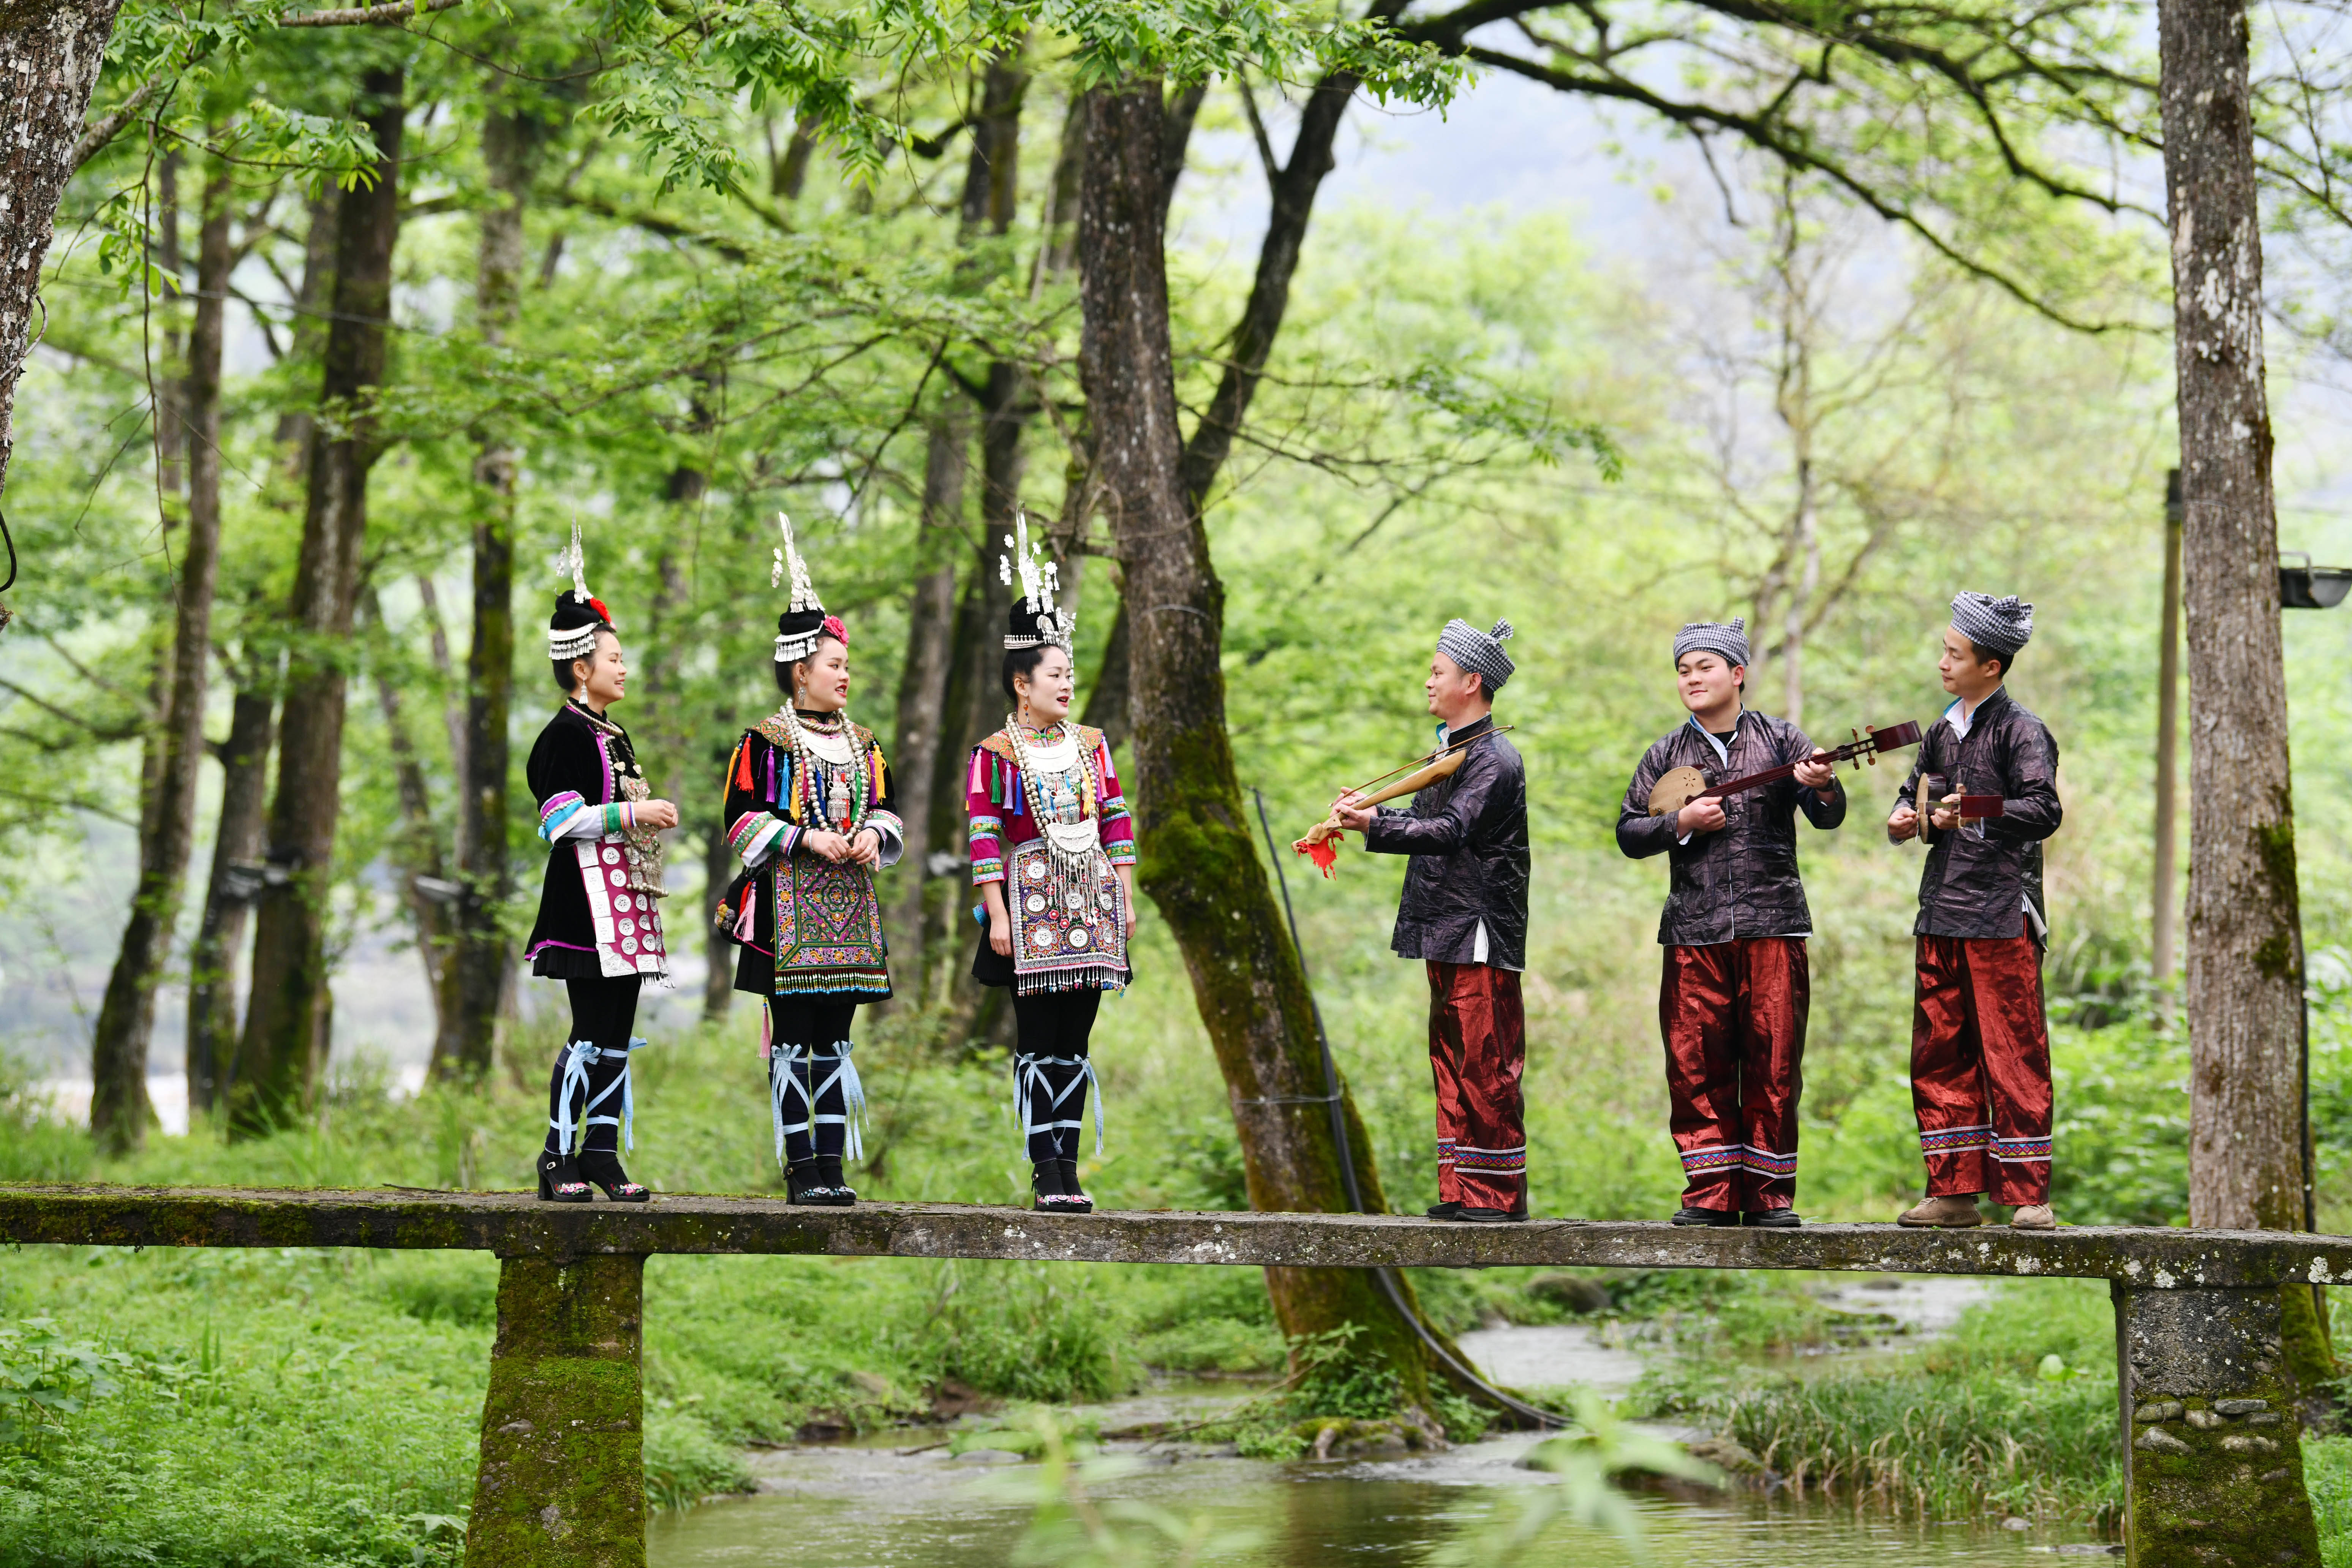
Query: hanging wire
(1437, 1347)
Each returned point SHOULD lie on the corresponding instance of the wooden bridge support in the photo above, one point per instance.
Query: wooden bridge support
(2212, 1456)
(562, 1478)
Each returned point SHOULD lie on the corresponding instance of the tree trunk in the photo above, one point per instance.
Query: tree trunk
(479, 955)
(308, 329)
(1291, 191)
(935, 733)
(419, 846)
(285, 1040)
(972, 705)
(923, 681)
(2166, 900)
(1107, 701)
(220, 936)
(50, 54)
(719, 868)
(120, 1111)
(2245, 931)
(1199, 863)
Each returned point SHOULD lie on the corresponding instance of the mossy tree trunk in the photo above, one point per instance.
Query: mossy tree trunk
(50, 55)
(2246, 1164)
(1199, 863)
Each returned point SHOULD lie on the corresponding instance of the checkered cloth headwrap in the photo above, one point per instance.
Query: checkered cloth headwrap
(1996, 626)
(1727, 639)
(1478, 652)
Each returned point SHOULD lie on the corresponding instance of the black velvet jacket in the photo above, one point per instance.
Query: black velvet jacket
(1467, 836)
(1740, 880)
(1979, 878)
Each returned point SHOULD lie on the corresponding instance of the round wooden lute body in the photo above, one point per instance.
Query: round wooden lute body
(1676, 790)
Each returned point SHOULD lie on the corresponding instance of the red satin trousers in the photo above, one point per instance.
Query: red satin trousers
(1733, 1017)
(1980, 1069)
(1478, 1049)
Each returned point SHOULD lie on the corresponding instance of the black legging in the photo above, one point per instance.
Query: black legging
(1050, 1070)
(604, 1011)
(809, 1039)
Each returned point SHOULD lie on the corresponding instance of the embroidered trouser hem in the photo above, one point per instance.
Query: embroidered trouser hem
(1477, 1050)
(1732, 1015)
(1980, 1069)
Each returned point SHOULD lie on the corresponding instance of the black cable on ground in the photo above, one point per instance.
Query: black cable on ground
(1387, 1276)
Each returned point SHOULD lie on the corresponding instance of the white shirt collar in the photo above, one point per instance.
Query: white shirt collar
(1722, 749)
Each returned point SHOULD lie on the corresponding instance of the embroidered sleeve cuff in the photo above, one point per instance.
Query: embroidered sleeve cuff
(559, 811)
(893, 834)
(1120, 853)
(758, 835)
(986, 868)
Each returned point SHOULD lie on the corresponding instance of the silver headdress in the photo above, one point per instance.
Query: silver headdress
(801, 626)
(578, 610)
(1034, 621)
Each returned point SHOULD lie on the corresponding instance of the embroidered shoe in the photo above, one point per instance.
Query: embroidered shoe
(828, 1170)
(559, 1180)
(1073, 1195)
(602, 1167)
(1715, 1218)
(1947, 1213)
(2034, 1216)
(1770, 1219)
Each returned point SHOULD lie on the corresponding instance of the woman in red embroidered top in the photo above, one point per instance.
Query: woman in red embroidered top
(810, 815)
(599, 928)
(1048, 821)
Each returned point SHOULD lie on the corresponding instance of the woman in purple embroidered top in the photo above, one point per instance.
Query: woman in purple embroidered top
(599, 928)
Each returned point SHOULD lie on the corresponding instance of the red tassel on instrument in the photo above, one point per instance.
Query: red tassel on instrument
(1324, 853)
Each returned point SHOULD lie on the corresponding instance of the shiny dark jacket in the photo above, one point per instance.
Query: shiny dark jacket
(1467, 836)
(1979, 879)
(1740, 880)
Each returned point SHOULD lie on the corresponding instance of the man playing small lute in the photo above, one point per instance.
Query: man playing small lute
(1733, 996)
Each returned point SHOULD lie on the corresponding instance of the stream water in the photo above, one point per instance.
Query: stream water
(890, 1501)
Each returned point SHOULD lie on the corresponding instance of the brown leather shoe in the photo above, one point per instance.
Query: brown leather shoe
(1942, 1214)
(2034, 1216)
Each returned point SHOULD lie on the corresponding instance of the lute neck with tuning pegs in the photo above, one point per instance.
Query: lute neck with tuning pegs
(1683, 786)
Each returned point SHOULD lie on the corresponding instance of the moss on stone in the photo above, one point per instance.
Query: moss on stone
(562, 1483)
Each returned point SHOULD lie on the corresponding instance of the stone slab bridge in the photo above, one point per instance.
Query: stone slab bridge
(2211, 1426)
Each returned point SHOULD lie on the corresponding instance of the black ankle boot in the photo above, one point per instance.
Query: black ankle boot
(1074, 1198)
(603, 1166)
(560, 1181)
(828, 1170)
(1046, 1190)
(800, 1182)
